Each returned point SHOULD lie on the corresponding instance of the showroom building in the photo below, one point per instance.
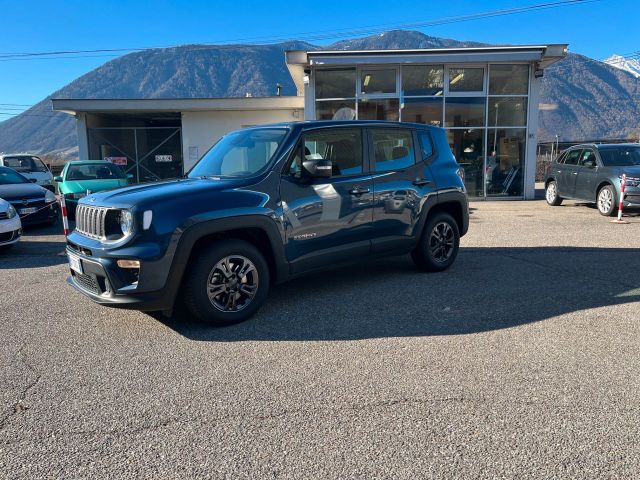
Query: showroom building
(485, 97)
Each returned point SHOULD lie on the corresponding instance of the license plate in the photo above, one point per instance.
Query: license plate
(75, 263)
(27, 211)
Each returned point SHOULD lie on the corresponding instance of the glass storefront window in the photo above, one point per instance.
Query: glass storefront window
(507, 111)
(387, 109)
(464, 111)
(336, 83)
(467, 146)
(336, 110)
(423, 110)
(508, 79)
(378, 81)
(466, 79)
(505, 161)
(422, 80)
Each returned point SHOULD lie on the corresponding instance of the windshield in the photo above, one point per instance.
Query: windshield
(8, 177)
(240, 154)
(25, 164)
(94, 171)
(620, 156)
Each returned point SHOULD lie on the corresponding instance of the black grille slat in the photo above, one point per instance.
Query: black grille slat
(87, 282)
(4, 215)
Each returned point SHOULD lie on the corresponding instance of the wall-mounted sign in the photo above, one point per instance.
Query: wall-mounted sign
(164, 158)
(117, 160)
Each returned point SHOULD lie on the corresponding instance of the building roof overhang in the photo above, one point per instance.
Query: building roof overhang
(176, 105)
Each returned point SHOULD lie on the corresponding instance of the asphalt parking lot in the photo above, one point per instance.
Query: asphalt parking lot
(521, 361)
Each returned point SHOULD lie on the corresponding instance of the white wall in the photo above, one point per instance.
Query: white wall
(202, 129)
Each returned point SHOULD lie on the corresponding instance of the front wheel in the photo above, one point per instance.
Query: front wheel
(606, 201)
(551, 194)
(439, 244)
(228, 283)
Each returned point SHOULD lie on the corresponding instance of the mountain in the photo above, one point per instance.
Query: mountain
(583, 98)
(630, 65)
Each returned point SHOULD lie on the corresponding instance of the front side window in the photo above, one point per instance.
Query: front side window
(620, 156)
(393, 149)
(240, 154)
(343, 146)
(572, 157)
(587, 158)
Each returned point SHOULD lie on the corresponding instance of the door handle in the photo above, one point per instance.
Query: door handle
(358, 191)
(421, 182)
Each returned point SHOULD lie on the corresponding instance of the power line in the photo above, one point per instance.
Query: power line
(314, 35)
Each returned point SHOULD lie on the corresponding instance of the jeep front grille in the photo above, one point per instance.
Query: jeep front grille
(90, 221)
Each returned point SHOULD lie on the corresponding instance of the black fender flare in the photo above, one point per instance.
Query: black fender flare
(183, 241)
(445, 197)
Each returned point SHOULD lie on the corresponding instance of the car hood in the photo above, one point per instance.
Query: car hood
(78, 186)
(152, 193)
(20, 191)
(630, 171)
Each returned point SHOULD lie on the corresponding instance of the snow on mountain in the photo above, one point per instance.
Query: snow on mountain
(630, 65)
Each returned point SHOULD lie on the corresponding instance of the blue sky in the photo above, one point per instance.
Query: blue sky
(597, 29)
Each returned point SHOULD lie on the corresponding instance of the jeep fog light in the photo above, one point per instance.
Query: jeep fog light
(128, 263)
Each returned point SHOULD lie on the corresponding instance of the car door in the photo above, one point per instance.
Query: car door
(586, 178)
(328, 220)
(401, 180)
(569, 174)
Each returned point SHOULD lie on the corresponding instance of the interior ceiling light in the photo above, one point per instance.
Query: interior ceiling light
(367, 79)
(458, 77)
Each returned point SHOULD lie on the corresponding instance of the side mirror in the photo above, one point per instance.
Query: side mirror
(589, 163)
(57, 179)
(319, 168)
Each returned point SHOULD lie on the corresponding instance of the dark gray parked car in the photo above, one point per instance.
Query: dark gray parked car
(592, 173)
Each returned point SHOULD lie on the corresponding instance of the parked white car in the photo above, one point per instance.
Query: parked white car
(10, 225)
(29, 166)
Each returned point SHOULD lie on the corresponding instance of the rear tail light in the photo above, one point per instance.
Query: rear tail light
(460, 173)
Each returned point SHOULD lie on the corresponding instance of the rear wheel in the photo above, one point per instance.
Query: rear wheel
(606, 201)
(438, 246)
(551, 194)
(228, 283)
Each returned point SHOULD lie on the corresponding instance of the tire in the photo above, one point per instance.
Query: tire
(606, 201)
(439, 243)
(551, 194)
(214, 291)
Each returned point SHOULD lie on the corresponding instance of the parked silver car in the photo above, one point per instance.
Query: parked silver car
(593, 173)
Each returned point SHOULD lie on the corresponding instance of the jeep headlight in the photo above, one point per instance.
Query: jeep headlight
(126, 222)
(11, 212)
(49, 197)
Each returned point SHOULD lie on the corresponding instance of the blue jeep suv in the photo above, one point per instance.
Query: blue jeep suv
(267, 204)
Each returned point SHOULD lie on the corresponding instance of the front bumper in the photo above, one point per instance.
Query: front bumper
(631, 197)
(45, 214)
(104, 282)
(10, 231)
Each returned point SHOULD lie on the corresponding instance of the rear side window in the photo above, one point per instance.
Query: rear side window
(343, 146)
(393, 149)
(426, 145)
(572, 157)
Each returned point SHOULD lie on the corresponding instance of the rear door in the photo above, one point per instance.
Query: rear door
(328, 220)
(569, 174)
(402, 179)
(587, 172)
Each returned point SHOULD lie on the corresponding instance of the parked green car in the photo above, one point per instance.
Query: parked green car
(84, 177)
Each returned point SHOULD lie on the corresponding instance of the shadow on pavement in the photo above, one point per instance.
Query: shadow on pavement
(486, 289)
